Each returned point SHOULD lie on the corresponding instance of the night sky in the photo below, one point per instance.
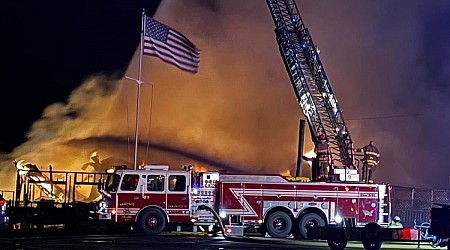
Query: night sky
(388, 63)
(50, 47)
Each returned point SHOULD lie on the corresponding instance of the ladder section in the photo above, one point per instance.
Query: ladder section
(310, 83)
(384, 204)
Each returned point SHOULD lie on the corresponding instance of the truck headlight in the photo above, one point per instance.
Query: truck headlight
(338, 219)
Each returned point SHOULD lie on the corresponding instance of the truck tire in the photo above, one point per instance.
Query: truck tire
(337, 240)
(372, 236)
(151, 222)
(279, 224)
(371, 245)
(309, 220)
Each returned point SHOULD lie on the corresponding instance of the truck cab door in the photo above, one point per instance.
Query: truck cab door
(127, 197)
(178, 196)
(154, 189)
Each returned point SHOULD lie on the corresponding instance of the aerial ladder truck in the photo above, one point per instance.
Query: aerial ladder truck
(310, 82)
(321, 109)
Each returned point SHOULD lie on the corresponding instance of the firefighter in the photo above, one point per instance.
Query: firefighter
(396, 222)
(370, 161)
(322, 151)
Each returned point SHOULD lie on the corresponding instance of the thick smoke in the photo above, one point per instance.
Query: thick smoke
(387, 63)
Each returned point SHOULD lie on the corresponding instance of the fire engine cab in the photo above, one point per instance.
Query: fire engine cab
(153, 196)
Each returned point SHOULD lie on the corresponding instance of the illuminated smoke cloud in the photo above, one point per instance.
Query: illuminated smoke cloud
(239, 112)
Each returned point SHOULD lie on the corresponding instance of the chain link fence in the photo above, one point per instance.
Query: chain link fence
(415, 203)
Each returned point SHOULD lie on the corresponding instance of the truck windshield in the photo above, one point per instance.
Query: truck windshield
(112, 182)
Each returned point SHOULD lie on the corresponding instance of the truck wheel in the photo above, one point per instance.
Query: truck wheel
(279, 224)
(371, 245)
(337, 241)
(309, 220)
(151, 222)
(372, 231)
(372, 234)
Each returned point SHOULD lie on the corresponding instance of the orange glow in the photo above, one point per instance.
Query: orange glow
(198, 168)
(227, 116)
(286, 173)
(310, 154)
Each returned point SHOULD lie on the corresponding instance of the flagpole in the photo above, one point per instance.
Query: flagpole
(181, 43)
(139, 82)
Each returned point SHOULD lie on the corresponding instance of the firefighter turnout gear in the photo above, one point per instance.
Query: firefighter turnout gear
(370, 161)
(323, 158)
(396, 223)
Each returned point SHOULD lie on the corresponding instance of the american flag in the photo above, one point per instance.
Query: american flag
(170, 46)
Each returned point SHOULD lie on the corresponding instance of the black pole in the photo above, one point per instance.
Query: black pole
(301, 140)
(18, 188)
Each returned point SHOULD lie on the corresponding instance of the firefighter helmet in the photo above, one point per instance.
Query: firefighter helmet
(396, 218)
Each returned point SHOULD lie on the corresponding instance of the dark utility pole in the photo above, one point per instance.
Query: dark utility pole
(301, 140)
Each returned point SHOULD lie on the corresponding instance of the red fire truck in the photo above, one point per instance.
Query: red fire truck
(154, 196)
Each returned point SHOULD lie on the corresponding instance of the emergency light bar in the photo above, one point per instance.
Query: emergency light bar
(156, 167)
(115, 168)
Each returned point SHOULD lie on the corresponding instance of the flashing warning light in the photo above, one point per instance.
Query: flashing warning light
(115, 168)
(120, 167)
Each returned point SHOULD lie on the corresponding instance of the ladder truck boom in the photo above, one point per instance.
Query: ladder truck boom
(310, 82)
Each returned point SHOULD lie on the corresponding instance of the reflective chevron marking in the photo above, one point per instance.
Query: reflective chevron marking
(241, 193)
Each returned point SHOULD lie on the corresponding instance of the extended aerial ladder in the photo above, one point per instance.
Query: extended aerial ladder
(310, 82)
